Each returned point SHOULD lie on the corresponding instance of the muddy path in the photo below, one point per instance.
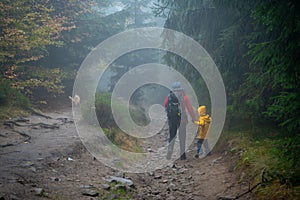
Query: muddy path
(43, 158)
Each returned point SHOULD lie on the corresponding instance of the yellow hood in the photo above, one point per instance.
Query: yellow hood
(202, 110)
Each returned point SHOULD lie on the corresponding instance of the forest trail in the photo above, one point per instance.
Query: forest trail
(45, 159)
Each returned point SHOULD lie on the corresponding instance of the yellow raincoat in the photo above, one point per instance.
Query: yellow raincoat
(204, 122)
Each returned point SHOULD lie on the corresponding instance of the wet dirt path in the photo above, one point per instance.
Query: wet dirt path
(50, 162)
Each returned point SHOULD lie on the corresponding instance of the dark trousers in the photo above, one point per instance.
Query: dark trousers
(182, 137)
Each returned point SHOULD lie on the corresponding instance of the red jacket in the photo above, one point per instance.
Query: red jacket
(187, 106)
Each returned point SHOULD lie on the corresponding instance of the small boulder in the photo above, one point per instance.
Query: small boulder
(90, 193)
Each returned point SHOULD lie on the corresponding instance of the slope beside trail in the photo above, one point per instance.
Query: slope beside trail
(43, 158)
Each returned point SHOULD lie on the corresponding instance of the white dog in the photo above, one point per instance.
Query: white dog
(75, 99)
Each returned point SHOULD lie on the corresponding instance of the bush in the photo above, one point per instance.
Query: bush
(104, 112)
(106, 120)
(10, 96)
(104, 115)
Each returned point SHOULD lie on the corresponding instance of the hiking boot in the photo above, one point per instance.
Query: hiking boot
(208, 154)
(197, 155)
(183, 157)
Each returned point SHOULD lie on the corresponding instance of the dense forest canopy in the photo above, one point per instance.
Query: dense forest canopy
(255, 45)
(28, 30)
(44, 42)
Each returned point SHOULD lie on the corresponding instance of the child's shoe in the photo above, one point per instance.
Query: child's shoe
(198, 155)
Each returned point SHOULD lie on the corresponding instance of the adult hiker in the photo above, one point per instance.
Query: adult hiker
(203, 123)
(177, 105)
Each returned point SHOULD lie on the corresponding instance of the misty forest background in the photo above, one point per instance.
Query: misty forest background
(255, 44)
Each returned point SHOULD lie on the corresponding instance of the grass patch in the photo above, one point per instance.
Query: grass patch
(117, 191)
(123, 140)
(12, 102)
(106, 120)
(266, 162)
(266, 157)
(8, 112)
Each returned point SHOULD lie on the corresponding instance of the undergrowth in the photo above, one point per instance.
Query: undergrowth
(268, 159)
(8, 112)
(123, 140)
(12, 102)
(117, 191)
(105, 118)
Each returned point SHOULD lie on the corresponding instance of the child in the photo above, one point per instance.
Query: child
(204, 122)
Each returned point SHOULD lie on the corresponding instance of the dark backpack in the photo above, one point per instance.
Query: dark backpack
(173, 108)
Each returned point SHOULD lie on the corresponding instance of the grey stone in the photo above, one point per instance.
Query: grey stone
(183, 170)
(190, 177)
(121, 180)
(165, 181)
(38, 191)
(106, 186)
(120, 187)
(151, 173)
(33, 169)
(172, 187)
(86, 186)
(158, 177)
(90, 193)
(199, 173)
